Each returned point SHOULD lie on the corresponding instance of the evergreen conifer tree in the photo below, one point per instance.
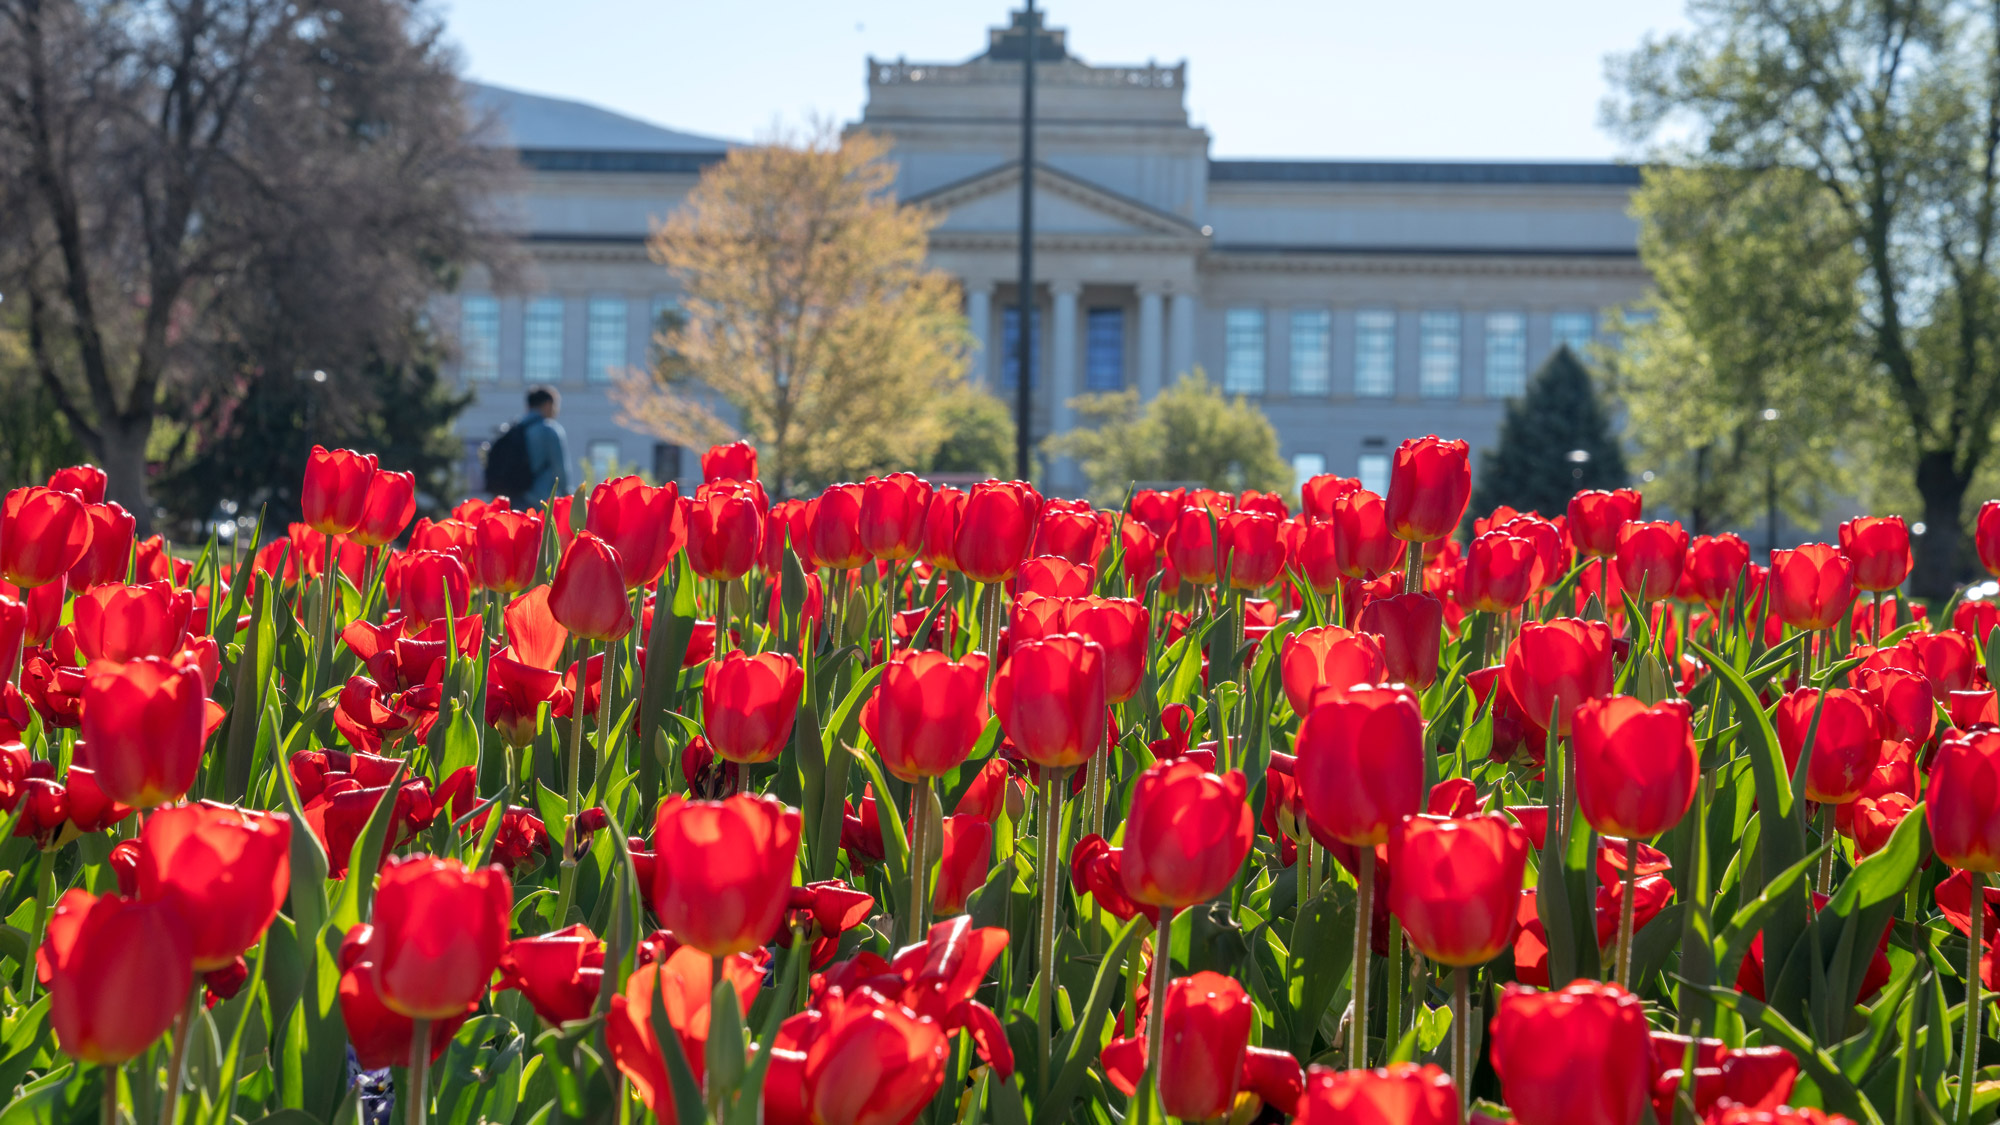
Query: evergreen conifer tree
(1556, 440)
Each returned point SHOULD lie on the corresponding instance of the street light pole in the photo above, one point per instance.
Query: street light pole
(1770, 489)
(1024, 301)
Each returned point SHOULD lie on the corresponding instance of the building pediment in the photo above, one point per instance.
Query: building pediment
(989, 203)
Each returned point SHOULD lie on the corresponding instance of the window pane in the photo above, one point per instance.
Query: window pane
(605, 339)
(1104, 350)
(542, 341)
(1243, 352)
(603, 457)
(1312, 353)
(1306, 466)
(1575, 329)
(1375, 353)
(1437, 355)
(1506, 354)
(1373, 470)
(479, 339)
(666, 462)
(1010, 346)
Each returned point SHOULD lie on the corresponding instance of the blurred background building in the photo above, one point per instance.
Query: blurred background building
(1358, 302)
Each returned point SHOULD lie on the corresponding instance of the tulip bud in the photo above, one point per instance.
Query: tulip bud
(588, 594)
(644, 525)
(439, 932)
(118, 971)
(748, 704)
(1457, 884)
(1575, 1055)
(1186, 835)
(724, 870)
(43, 533)
(1361, 764)
(1429, 484)
(1636, 767)
(336, 489)
(224, 870)
(143, 729)
(1399, 1094)
(392, 500)
(927, 712)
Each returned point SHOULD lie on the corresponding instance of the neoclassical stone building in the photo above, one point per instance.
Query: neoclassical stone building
(1359, 302)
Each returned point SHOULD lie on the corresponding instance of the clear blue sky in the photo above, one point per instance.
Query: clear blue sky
(1327, 78)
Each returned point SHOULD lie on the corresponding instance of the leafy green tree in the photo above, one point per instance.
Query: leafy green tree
(1537, 466)
(1887, 114)
(1744, 387)
(978, 433)
(1189, 434)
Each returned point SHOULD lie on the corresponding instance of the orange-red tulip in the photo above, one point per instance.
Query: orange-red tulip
(941, 528)
(1363, 547)
(588, 594)
(735, 461)
(380, 1037)
(118, 971)
(224, 870)
(724, 870)
(109, 555)
(43, 532)
(1650, 556)
(684, 985)
(506, 550)
(336, 489)
(1845, 747)
(392, 500)
(1879, 548)
(1252, 550)
(994, 528)
(893, 511)
(1578, 1056)
(1636, 766)
(1557, 665)
(560, 973)
(1049, 695)
(1430, 481)
(1186, 835)
(1962, 804)
(927, 712)
(143, 729)
(123, 623)
(833, 519)
(1715, 564)
(1325, 661)
(1810, 587)
(1361, 764)
(1399, 1094)
(725, 532)
(1595, 517)
(439, 932)
(1457, 884)
(1122, 627)
(1501, 571)
(748, 704)
(646, 525)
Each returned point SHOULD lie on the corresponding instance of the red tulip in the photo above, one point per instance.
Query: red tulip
(560, 973)
(391, 501)
(43, 533)
(735, 461)
(1252, 551)
(1049, 695)
(1636, 767)
(224, 870)
(336, 489)
(1715, 564)
(1962, 804)
(1948, 660)
(439, 932)
(1429, 484)
(1186, 835)
(725, 531)
(1069, 529)
(724, 870)
(1123, 628)
(1191, 545)
(1325, 661)
(127, 622)
(834, 522)
(1650, 556)
(1811, 586)
(1361, 764)
(869, 1061)
(1501, 571)
(1399, 1094)
(748, 704)
(506, 551)
(1556, 666)
(1986, 537)
(1053, 576)
(86, 482)
(1363, 547)
(1457, 884)
(684, 985)
(435, 584)
(1578, 1056)
(1595, 516)
(964, 863)
(1318, 493)
(515, 692)
(644, 525)
(941, 521)
(118, 971)
(380, 1037)
(109, 555)
(1902, 701)
(1208, 1018)
(1314, 550)
(1879, 548)
(927, 712)
(784, 525)
(1411, 627)
(143, 729)
(1844, 750)
(588, 594)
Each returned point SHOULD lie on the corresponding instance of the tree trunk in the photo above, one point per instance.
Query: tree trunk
(1938, 549)
(123, 459)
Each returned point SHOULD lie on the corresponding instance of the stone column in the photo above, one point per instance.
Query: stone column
(979, 312)
(1180, 336)
(1062, 355)
(1151, 343)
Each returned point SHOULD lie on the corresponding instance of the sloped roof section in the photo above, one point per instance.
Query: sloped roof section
(1422, 172)
(533, 122)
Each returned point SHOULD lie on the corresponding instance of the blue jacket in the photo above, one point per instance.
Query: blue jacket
(548, 458)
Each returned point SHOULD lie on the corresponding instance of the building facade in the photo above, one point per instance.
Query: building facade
(1358, 302)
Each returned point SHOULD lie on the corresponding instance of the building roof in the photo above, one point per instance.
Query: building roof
(535, 123)
(1422, 172)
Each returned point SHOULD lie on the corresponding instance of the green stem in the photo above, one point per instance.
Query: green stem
(177, 1062)
(1461, 1024)
(1051, 860)
(1975, 1007)
(1829, 846)
(1625, 914)
(1364, 953)
(1156, 1005)
(417, 1098)
(109, 1108)
(1393, 1026)
(920, 864)
(1413, 569)
(45, 897)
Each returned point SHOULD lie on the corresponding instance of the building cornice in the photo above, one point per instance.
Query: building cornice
(1059, 183)
(1479, 261)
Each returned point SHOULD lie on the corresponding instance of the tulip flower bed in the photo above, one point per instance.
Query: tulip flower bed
(905, 804)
